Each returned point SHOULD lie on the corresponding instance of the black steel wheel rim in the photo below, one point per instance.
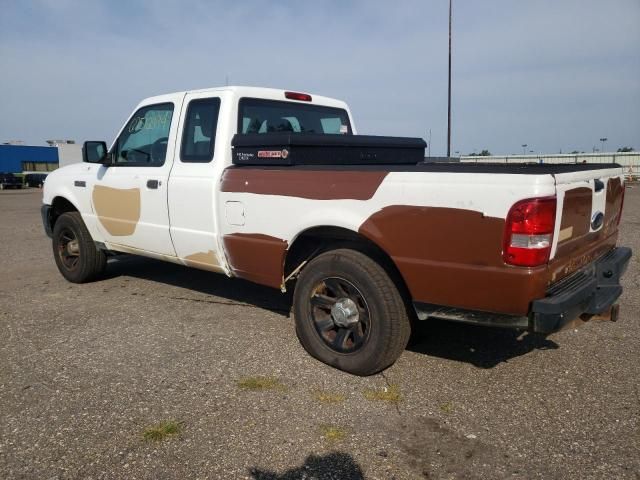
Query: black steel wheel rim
(68, 249)
(340, 315)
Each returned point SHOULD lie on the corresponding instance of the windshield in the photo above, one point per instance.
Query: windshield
(271, 116)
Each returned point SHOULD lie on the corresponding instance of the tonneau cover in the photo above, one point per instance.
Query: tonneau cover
(316, 149)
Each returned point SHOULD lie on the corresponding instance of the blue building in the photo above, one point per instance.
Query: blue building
(24, 158)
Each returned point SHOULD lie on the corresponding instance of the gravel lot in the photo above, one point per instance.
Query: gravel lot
(85, 370)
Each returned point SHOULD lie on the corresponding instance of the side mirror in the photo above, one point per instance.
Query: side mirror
(95, 152)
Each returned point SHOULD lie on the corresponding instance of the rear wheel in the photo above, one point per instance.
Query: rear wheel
(349, 313)
(76, 255)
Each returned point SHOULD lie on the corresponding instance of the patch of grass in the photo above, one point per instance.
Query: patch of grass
(390, 394)
(161, 431)
(260, 383)
(447, 407)
(328, 397)
(333, 433)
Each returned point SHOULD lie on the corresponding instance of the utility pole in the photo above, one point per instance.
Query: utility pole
(449, 90)
(603, 140)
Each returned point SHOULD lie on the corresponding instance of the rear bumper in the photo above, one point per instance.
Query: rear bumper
(591, 291)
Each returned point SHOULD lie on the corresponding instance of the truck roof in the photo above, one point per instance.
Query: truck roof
(257, 92)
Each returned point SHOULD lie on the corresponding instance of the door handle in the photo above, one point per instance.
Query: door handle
(153, 184)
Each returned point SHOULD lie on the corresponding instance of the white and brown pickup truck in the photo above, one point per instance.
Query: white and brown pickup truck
(275, 187)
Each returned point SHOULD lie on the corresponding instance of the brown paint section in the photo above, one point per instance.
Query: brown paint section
(576, 212)
(584, 248)
(311, 184)
(117, 209)
(204, 261)
(453, 257)
(615, 193)
(589, 249)
(256, 257)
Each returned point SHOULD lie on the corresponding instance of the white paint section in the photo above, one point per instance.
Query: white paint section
(234, 213)
(286, 217)
(152, 231)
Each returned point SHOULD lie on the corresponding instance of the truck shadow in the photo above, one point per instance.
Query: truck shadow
(331, 466)
(229, 290)
(483, 347)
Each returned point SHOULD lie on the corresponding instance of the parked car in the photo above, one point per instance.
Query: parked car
(275, 187)
(9, 180)
(35, 179)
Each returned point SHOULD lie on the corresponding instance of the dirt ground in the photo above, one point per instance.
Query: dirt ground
(86, 370)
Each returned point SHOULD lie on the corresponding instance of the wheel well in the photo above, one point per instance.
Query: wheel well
(317, 240)
(59, 206)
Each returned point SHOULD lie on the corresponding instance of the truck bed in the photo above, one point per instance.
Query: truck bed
(371, 153)
(445, 167)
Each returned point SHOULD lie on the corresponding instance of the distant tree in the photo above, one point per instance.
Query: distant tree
(483, 153)
(575, 152)
(625, 149)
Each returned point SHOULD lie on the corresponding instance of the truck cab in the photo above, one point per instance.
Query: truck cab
(155, 191)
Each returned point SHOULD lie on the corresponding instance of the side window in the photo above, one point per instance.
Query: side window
(199, 131)
(143, 142)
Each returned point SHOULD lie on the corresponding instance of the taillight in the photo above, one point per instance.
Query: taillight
(529, 232)
(303, 97)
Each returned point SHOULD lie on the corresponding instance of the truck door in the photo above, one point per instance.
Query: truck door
(193, 183)
(129, 197)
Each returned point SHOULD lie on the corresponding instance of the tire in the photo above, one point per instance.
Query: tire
(349, 313)
(76, 256)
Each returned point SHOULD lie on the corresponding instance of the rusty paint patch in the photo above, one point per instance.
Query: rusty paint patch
(204, 261)
(311, 184)
(565, 234)
(256, 257)
(118, 209)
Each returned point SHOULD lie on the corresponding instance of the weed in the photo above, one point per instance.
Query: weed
(162, 430)
(260, 383)
(333, 433)
(447, 407)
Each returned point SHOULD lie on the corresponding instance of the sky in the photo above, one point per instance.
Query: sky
(555, 75)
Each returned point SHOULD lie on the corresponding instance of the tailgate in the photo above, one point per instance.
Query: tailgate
(587, 216)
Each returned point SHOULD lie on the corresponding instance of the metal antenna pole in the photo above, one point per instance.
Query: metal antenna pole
(449, 92)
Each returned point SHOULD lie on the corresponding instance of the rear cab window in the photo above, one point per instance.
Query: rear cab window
(274, 116)
(199, 132)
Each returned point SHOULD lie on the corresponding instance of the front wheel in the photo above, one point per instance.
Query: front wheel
(349, 313)
(76, 255)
